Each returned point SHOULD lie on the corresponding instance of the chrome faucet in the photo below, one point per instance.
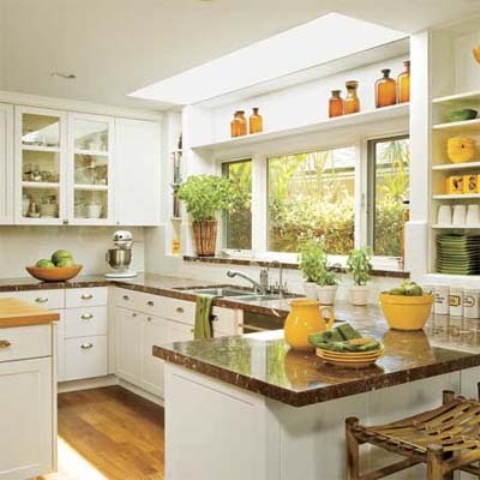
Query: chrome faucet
(256, 285)
(280, 288)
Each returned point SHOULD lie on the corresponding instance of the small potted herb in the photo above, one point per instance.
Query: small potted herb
(359, 266)
(205, 196)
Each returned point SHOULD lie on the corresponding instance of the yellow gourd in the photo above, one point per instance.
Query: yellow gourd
(460, 149)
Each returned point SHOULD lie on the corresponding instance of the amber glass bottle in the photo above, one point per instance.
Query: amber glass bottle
(403, 84)
(352, 102)
(234, 125)
(335, 104)
(255, 122)
(385, 90)
(242, 123)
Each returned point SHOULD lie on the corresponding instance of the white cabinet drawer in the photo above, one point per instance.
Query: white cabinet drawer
(83, 322)
(225, 321)
(25, 342)
(86, 357)
(82, 297)
(51, 299)
(178, 310)
(128, 298)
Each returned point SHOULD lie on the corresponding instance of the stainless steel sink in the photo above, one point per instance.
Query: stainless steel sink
(264, 297)
(220, 291)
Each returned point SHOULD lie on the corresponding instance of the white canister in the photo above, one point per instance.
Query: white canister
(441, 303)
(471, 306)
(455, 301)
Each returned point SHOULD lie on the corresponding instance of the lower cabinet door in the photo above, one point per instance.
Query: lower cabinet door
(154, 332)
(127, 345)
(26, 413)
(86, 357)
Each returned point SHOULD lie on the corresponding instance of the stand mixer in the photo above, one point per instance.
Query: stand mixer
(120, 257)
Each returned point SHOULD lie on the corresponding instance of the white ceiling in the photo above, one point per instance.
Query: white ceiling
(118, 46)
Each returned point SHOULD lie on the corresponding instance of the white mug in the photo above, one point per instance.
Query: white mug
(473, 214)
(459, 214)
(444, 216)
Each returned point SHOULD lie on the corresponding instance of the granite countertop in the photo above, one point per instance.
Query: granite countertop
(270, 368)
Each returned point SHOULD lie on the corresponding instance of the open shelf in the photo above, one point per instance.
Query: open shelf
(456, 166)
(464, 125)
(356, 120)
(460, 196)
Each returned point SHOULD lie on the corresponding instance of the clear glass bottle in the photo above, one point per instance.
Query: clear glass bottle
(352, 102)
(255, 122)
(403, 84)
(335, 104)
(385, 90)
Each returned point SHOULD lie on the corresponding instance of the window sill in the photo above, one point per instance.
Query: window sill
(222, 260)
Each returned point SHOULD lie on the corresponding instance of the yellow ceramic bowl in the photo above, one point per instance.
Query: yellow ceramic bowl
(405, 312)
(460, 149)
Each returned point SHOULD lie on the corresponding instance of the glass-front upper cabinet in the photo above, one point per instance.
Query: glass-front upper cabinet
(91, 139)
(40, 167)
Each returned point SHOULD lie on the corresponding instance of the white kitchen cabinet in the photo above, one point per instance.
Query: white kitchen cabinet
(53, 300)
(27, 402)
(90, 168)
(6, 164)
(143, 320)
(40, 166)
(86, 333)
(137, 172)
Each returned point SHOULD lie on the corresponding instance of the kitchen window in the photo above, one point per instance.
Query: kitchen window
(351, 195)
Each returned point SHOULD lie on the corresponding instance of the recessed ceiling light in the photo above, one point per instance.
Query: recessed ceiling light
(66, 76)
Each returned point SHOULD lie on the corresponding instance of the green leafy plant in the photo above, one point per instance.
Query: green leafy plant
(359, 265)
(314, 264)
(205, 195)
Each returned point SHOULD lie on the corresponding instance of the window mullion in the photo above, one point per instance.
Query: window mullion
(259, 203)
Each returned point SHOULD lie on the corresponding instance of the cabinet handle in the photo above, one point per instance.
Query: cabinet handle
(134, 314)
(214, 318)
(192, 330)
(86, 296)
(150, 303)
(86, 346)
(5, 344)
(179, 310)
(86, 316)
(149, 319)
(125, 297)
(65, 221)
(41, 299)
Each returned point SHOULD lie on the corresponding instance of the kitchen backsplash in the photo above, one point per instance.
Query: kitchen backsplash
(24, 245)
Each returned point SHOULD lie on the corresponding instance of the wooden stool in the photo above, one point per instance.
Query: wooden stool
(446, 439)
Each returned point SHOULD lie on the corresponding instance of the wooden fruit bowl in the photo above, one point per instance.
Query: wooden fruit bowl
(55, 274)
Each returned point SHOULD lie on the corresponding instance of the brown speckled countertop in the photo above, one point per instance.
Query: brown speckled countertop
(269, 368)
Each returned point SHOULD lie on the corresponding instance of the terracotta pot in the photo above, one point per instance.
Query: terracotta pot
(205, 236)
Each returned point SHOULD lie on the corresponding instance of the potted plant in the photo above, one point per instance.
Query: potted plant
(359, 267)
(205, 196)
(319, 275)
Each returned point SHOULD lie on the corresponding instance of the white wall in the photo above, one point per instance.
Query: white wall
(24, 245)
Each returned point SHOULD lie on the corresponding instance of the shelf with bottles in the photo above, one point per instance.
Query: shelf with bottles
(357, 120)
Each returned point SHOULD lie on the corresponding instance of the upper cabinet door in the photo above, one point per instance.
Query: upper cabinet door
(137, 172)
(6, 164)
(90, 169)
(40, 147)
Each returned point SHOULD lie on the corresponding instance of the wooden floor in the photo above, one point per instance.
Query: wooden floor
(109, 433)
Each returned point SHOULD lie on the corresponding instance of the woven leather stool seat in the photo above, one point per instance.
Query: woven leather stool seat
(446, 439)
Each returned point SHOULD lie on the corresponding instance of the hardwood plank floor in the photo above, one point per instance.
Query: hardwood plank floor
(109, 433)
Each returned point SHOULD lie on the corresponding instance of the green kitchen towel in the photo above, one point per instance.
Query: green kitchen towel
(203, 311)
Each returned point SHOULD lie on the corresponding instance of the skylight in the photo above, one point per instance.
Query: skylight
(322, 40)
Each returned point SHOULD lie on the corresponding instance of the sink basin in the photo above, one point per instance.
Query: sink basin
(267, 296)
(220, 291)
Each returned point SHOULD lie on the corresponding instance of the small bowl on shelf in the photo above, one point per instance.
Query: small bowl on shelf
(462, 115)
(54, 274)
(460, 149)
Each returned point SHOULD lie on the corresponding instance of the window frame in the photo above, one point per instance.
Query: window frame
(362, 191)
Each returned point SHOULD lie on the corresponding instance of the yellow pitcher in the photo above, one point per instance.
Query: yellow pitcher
(306, 317)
